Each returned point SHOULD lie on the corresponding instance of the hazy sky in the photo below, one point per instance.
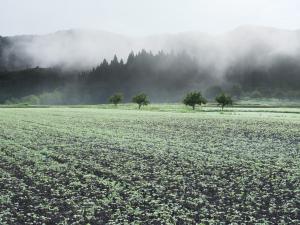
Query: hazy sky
(144, 17)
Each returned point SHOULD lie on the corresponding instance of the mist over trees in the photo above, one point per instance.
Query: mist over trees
(82, 49)
(87, 66)
(165, 77)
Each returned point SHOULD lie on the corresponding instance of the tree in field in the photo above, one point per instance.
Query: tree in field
(223, 100)
(141, 99)
(193, 99)
(116, 98)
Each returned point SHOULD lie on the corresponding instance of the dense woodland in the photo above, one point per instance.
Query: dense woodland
(165, 77)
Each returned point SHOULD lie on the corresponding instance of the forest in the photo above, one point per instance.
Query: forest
(165, 77)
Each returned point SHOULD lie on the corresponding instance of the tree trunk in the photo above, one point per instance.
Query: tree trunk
(140, 106)
(193, 107)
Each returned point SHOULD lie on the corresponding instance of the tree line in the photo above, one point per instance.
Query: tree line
(191, 99)
(164, 76)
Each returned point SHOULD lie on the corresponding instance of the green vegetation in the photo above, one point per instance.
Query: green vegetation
(115, 166)
(46, 98)
(116, 98)
(141, 99)
(223, 100)
(164, 76)
(193, 99)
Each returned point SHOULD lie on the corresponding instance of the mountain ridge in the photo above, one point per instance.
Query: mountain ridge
(85, 48)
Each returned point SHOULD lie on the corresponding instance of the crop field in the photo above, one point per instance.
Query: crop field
(120, 166)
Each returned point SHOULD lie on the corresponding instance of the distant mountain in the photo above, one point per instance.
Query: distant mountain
(83, 49)
(70, 49)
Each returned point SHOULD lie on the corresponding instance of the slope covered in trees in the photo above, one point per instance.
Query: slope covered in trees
(165, 77)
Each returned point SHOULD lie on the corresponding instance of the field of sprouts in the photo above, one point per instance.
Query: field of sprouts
(114, 166)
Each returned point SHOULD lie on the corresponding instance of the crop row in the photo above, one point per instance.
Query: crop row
(76, 166)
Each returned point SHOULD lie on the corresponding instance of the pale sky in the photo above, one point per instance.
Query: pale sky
(145, 17)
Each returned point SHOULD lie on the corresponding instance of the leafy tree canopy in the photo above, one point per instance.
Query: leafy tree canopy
(141, 99)
(116, 98)
(193, 99)
(224, 100)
